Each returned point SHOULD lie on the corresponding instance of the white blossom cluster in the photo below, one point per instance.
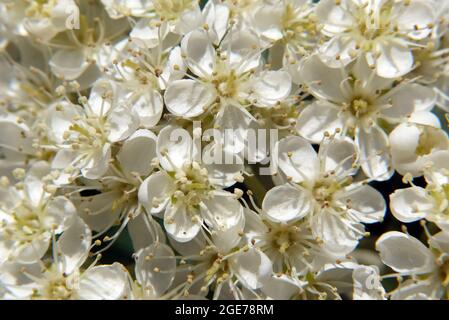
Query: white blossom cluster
(352, 92)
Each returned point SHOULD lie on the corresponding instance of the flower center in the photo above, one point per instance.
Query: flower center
(360, 107)
(88, 134)
(54, 286)
(192, 184)
(27, 223)
(172, 9)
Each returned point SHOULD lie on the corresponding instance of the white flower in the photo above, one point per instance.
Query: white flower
(78, 51)
(84, 135)
(186, 193)
(360, 104)
(64, 278)
(413, 144)
(332, 282)
(228, 81)
(155, 271)
(322, 190)
(223, 264)
(383, 32)
(428, 268)
(30, 214)
(291, 246)
(116, 201)
(430, 203)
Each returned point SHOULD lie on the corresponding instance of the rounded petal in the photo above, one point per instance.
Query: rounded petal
(395, 59)
(122, 124)
(374, 153)
(148, 107)
(156, 267)
(174, 147)
(188, 98)
(297, 159)
(221, 210)
(405, 254)
(410, 204)
(103, 283)
(271, 87)
(68, 64)
(252, 268)
(367, 204)
(180, 224)
(60, 210)
(73, 245)
(155, 192)
(286, 203)
(137, 152)
(318, 118)
(322, 80)
(197, 46)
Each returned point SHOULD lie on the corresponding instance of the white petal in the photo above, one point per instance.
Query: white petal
(408, 99)
(188, 98)
(367, 285)
(145, 231)
(122, 124)
(149, 107)
(297, 159)
(243, 49)
(179, 224)
(68, 64)
(286, 203)
(74, 245)
(374, 153)
(32, 251)
(159, 186)
(405, 254)
(323, 81)
(417, 14)
(221, 165)
(147, 35)
(137, 151)
(410, 204)
(197, 46)
(336, 52)
(395, 59)
(174, 147)
(268, 21)
(281, 287)
(318, 118)
(156, 267)
(271, 87)
(60, 210)
(334, 17)
(103, 283)
(339, 155)
(336, 234)
(97, 164)
(367, 204)
(252, 268)
(15, 136)
(216, 16)
(222, 210)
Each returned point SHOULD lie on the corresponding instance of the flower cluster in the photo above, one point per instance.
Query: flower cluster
(147, 120)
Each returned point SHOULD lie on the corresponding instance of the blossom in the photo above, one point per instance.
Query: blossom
(64, 278)
(382, 32)
(427, 267)
(83, 136)
(361, 104)
(322, 189)
(31, 214)
(186, 193)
